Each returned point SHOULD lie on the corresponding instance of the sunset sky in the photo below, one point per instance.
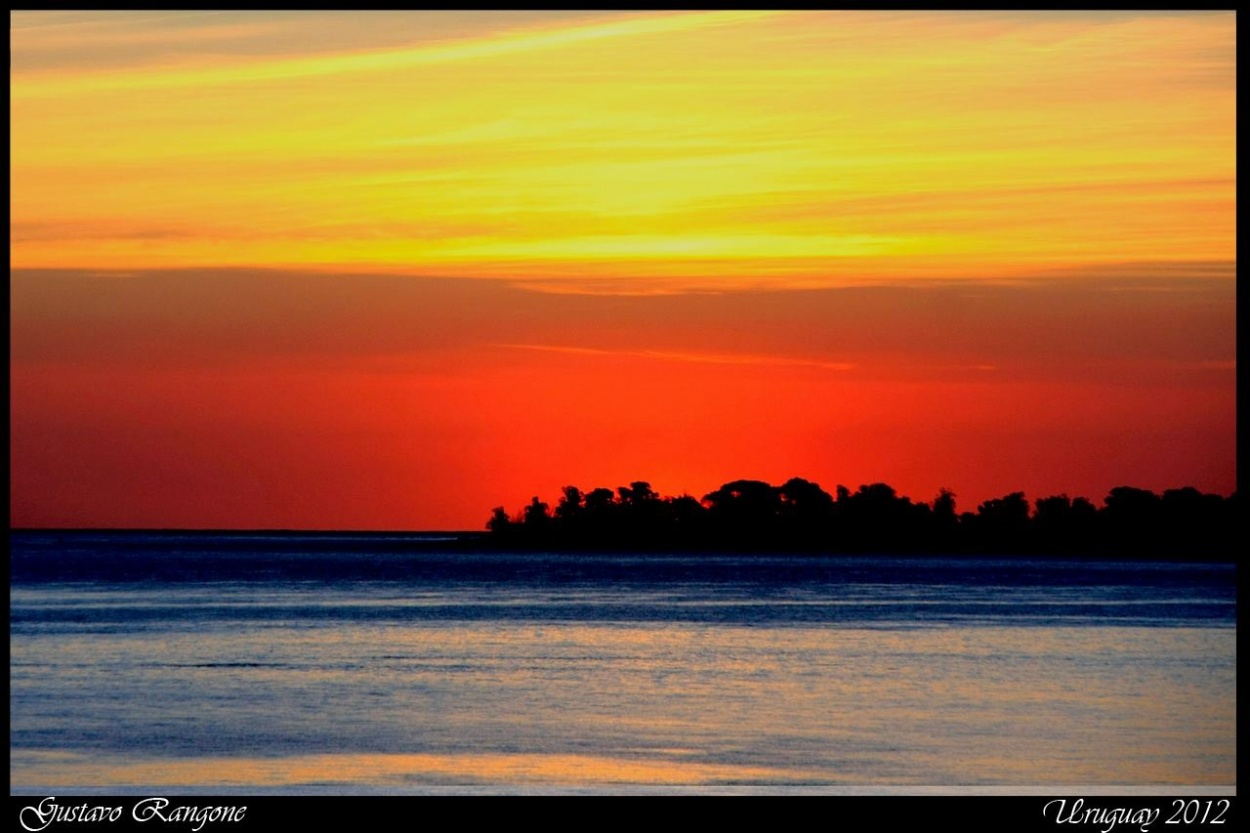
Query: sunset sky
(387, 270)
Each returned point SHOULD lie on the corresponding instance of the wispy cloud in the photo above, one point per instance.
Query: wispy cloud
(383, 60)
(676, 356)
(724, 149)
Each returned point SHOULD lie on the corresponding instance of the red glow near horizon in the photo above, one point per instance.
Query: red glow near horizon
(398, 418)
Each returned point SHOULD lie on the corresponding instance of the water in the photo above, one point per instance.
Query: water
(364, 662)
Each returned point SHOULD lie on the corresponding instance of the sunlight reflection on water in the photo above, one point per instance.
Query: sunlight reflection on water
(286, 684)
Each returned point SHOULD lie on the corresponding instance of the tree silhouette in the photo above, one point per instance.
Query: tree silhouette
(799, 516)
(1002, 521)
(499, 522)
(570, 505)
(537, 520)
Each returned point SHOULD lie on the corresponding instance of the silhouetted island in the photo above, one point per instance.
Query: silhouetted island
(800, 517)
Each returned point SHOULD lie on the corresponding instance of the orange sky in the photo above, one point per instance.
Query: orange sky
(388, 270)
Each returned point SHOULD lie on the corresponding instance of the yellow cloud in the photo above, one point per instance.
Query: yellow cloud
(786, 148)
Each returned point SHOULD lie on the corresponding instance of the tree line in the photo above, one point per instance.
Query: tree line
(800, 516)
